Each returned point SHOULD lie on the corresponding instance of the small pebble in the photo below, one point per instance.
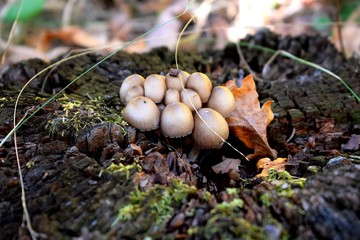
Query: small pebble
(234, 175)
(177, 221)
(336, 161)
(92, 182)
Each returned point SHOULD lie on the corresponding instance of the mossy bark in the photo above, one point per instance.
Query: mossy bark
(67, 152)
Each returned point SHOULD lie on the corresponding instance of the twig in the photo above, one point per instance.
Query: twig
(291, 136)
(66, 15)
(338, 26)
(11, 34)
(303, 61)
(242, 58)
(26, 215)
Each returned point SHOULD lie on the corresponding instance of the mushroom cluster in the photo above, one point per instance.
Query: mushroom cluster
(170, 102)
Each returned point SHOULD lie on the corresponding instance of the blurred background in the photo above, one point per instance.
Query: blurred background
(49, 28)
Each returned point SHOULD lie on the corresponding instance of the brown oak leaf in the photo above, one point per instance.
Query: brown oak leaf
(248, 121)
(226, 165)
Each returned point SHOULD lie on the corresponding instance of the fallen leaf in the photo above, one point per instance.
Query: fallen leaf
(70, 35)
(248, 121)
(353, 143)
(265, 164)
(325, 124)
(137, 151)
(226, 165)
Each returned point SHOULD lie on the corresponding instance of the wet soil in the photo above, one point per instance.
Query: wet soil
(88, 175)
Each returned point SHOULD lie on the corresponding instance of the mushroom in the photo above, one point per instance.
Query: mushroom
(176, 120)
(203, 134)
(201, 84)
(171, 95)
(129, 82)
(222, 100)
(161, 107)
(174, 78)
(134, 91)
(142, 113)
(188, 96)
(155, 87)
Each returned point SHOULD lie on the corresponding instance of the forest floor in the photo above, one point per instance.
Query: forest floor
(88, 175)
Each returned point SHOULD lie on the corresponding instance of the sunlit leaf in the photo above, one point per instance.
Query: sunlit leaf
(30, 9)
(248, 121)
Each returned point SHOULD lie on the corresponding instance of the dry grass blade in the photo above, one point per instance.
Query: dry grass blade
(12, 31)
(313, 65)
(26, 215)
(17, 125)
(205, 3)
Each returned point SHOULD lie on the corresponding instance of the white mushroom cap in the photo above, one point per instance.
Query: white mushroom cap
(203, 136)
(171, 95)
(155, 87)
(222, 100)
(142, 113)
(176, 120)
(188, 96)
(174, 78)
(129, 82)
(134, 91)
(201, 84)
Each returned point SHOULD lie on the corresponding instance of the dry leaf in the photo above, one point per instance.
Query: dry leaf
(226, 165)
(265, 164)
(137, 151)
(71, 35)
(353, 144)
(248, 121)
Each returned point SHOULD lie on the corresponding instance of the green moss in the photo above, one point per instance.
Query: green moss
(204, 195)
(312, 169)
(234, 205)
(355, 116)
(266, 199)
(157, 203)
(79, 114)
(30, 163)
(220, 226)
(283, 177)
(121, 167)
(226, 221)
(319, 160)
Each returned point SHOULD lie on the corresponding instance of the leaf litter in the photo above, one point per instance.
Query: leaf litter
(248, 121)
